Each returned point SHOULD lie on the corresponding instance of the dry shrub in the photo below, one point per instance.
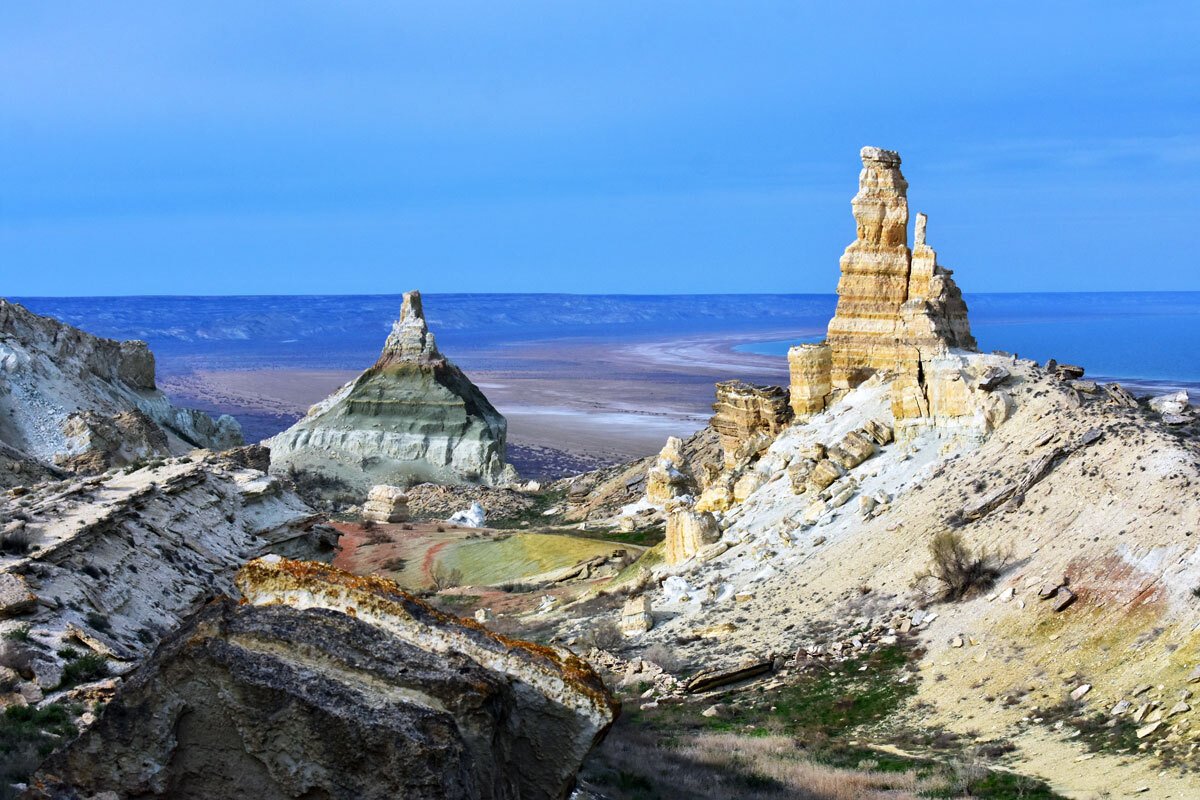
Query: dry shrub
(444, 577)
(376, 535)
(604, 636)
(958, 570)
(712, 766)
(665, 657)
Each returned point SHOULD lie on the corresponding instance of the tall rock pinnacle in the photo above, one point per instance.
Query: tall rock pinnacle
(894, 305)
(412, 417)
(410, 339)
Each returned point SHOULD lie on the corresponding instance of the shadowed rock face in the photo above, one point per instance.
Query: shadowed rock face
(325, 685)
(412, 417)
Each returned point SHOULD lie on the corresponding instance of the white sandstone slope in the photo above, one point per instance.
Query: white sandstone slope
(65, 394)
(111, 563)
(412, 417)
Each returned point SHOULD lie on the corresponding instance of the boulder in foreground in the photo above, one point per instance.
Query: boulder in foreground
(324, 684)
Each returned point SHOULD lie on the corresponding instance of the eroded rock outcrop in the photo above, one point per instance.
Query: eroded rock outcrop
(670, 476)
(412, 417)
(386, 504)
(115, 562)
(895, 306)
(809, 366)
(748, 417)
(86, 402)
(899, 316)
(688, 531)
(324, 684)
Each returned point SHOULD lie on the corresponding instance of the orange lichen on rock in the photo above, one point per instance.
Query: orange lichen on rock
(563, 676)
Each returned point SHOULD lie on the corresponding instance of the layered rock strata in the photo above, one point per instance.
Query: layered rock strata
(898, 310)
(386, 504)
(86, 402)
(115, 562)
(324, 684)
(895, 306)
(809, 366)
(412, 417)
(747, 418)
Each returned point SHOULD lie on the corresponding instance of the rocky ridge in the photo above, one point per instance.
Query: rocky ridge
(1081, 497)
(110, 564)
(85, 402)
(412, 417)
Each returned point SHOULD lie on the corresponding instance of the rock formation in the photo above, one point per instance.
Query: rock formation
(386, 504)
(669, 477)
(748, 417)
(323, 684)
(412, 417)
(894, 306)
(688, 530)
(85, 402)
(809, 366)
(115, 562)
(898, 311)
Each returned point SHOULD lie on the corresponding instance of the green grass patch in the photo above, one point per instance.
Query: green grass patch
(830, 705)
(28, 735)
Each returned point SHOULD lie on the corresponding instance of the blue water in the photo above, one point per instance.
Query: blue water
(1147, 336)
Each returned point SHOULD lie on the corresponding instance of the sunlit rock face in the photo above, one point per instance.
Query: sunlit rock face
(325, 684)
(895, 306)
(899, 312)
(88, 403)
(809, 366)
(412, 417)
(748, 417)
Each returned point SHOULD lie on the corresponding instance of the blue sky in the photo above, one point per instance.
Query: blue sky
(628, 147)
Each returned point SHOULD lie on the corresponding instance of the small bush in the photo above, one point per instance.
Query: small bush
(85, 669)
(19, 634)
(98, 621)
(604, 636)
(395, 564)
(377, 536)
(958, 570)
(665, 657)
(445, 578)
(16, 542)
(369, 525)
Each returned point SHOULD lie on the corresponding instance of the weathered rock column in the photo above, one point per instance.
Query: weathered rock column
(875, 274)
(809, 366)
(688, 530)
(747, 416)
(669, 476)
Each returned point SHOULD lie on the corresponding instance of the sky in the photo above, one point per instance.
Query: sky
(589, 147)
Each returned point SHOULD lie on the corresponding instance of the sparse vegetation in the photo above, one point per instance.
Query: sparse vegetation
(604, 636)
(84, 669)
(444, 577)
(19, 633)
(957, 569)
(16, 542)
(27, 735)
(98, 621)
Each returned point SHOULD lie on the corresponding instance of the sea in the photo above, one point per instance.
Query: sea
(1149, 341)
